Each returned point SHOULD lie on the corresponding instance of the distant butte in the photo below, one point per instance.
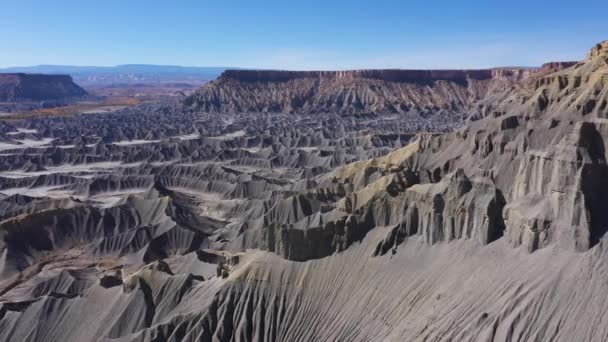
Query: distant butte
(15, 87)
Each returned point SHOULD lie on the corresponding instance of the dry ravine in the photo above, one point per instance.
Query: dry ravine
(374, 205)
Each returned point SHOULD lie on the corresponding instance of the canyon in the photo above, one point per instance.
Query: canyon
(385, 205)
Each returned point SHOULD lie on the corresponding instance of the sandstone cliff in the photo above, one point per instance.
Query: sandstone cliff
(534, 173)
(36, 87)
(425, 92)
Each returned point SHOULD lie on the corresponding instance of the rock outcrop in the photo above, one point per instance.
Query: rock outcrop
(543, 161)
(599, 50)
(450, 93)
(159, 224)
(38, 87)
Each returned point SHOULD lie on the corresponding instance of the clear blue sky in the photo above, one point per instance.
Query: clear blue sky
(302, 34)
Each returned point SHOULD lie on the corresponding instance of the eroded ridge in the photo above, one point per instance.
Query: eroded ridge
(241, 216)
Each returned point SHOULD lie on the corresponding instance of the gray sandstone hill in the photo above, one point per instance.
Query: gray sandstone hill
(235, 221)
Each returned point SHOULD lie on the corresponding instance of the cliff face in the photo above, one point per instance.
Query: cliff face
(356, 91)
(599, 50)
(256, 227)
(388, 75)
(36, 87)
(534, 173)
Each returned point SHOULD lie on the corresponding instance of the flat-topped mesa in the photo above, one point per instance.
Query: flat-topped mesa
(452, 92)
(20, 77)
(389, 75)
(15, 87)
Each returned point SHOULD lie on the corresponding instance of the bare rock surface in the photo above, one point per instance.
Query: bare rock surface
(251, 213)
(15, 87)
(448, 93)
(20, 89)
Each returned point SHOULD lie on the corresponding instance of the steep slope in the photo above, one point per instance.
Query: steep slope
(38, 87)
(532, 177)
(535, 173)
(424, 92)
(96, 76)
(255, 230)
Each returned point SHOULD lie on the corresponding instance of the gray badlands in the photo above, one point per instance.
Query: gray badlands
(375, 205)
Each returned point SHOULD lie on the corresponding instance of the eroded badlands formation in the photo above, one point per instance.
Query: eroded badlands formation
(415, 92)
(334, 206)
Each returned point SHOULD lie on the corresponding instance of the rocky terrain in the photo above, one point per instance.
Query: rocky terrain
(305, 206)
(443, 93)
(37, 90)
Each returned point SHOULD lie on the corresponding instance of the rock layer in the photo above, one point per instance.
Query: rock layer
(449, 93)
(37, 87)
(194, 226)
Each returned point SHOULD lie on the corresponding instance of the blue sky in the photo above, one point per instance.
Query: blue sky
(299, 34)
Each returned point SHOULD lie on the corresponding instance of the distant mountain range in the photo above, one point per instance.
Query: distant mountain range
(125, 74)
